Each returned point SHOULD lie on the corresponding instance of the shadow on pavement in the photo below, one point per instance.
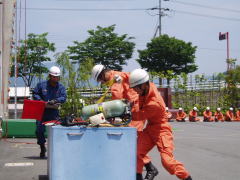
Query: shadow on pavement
(35, 157)
(43, 177)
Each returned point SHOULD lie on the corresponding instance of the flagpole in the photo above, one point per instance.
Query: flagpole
(222, 37)
(228, 52)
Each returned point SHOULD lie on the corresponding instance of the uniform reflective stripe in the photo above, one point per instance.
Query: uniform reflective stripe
(19, 164)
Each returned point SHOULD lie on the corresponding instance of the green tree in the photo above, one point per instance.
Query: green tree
(73, 77)
(220, 76)
(232, 95)
(80, 72)
(105, 47)
(166, 54)
(31, 54)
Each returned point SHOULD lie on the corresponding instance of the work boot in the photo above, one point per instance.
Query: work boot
(151, 171)
(188, 178)
(139, 176)
(43, 151)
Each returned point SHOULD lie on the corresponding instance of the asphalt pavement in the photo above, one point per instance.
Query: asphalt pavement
(209, 151)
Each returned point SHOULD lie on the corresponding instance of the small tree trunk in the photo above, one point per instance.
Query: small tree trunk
(160, 82)
(168, 82)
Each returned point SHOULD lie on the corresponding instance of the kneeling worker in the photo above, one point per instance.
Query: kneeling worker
(158, 131)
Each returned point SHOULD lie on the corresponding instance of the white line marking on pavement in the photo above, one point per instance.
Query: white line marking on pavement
(17, 145)
(19, 164)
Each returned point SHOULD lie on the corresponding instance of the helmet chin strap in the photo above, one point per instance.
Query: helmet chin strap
(144, 89)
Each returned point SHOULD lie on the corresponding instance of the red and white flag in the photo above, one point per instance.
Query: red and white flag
(222, 36)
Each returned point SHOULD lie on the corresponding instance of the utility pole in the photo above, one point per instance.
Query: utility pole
(160, 14)
(6, 30)
(160, 18)
(1, 61)
(159, 28)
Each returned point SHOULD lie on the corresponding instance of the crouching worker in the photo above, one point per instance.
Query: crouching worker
(230, 115)
(181, 115)
(120, 90)
(238, 115)
(218, 115)
(54, 93)
(158, 131)
(169, 115)
(193, 115)
(207, 115)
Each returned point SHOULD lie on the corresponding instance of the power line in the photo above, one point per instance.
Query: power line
(208, 16)
(215, 49)
(84, 9)
(92, 0)
(135, 9)
(204, 6)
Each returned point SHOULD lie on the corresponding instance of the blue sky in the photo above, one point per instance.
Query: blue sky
(197, 21)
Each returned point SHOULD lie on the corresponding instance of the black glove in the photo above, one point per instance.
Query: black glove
(52, 102)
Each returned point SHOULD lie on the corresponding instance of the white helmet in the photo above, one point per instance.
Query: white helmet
(218, 109)
(195, 108)
(207, 108)
(231, 109)
(138, 76)
(54, 71)
(97, 69)
(180, 109)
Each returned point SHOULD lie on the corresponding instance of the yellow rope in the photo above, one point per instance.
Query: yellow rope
(109, 84)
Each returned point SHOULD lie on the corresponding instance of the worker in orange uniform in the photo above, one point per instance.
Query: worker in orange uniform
(230, 115)
(193, 115)
(181, 115)
(238, 115)
(158, 131)
(207, 115)
(169, 115)
(121, 90)
(218, 115)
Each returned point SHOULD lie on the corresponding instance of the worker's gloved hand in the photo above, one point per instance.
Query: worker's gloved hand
(52, 102)
(117, 78)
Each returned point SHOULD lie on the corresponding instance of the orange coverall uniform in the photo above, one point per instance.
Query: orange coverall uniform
(169, 116)
(193, 116)
(218, 116)
(181, 115)
(238, 115)
(229, 116)
(207, 116)
(158, 132)
(123, 91)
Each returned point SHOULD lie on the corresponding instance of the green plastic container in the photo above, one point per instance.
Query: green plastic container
(19, 128)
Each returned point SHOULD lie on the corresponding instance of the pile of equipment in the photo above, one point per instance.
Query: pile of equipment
(113, 113)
